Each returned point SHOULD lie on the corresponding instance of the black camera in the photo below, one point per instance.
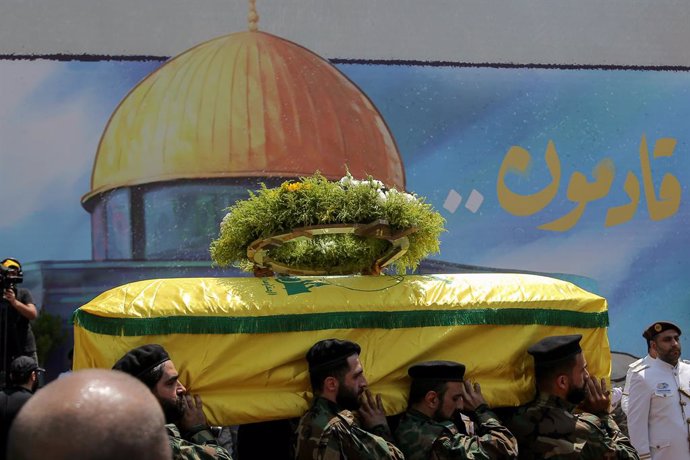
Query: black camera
(10, 277)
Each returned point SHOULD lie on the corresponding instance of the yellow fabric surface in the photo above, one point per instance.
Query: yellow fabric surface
(260, 373)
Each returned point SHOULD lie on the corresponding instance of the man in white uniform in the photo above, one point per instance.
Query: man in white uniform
(651, 355)
(659, 399)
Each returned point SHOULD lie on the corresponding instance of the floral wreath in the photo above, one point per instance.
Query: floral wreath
(318, 227)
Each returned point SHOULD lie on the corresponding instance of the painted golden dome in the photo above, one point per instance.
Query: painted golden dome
(249, 104)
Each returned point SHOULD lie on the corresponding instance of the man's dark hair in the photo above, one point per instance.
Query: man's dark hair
(151, 377)
(419, 389)
(546, 373)
(317, 376)
(20, 378)
(328, 358)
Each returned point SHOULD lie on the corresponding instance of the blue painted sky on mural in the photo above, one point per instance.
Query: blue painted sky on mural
(453, 127)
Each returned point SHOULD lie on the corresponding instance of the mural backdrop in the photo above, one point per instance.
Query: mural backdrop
(575, 171)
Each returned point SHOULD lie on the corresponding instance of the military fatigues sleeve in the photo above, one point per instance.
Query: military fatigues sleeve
(200, 445)
(452, 445)
(422, 438)
(383, 431)
(493, 437)
(605, 439)
(546, 428)
(639, 399)
(345, 440)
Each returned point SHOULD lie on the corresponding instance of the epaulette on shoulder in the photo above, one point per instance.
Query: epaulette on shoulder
(640, 367)
(635, 363)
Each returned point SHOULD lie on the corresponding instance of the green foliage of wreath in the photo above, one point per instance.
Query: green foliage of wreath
(316, 201)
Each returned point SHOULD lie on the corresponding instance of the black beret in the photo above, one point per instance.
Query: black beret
(446, 371)
(657, 328)
(22, 366)
(550, 350)
(330, 353)
(140, 360)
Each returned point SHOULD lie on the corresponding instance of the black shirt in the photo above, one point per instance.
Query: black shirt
(20, 337)
(11, 400)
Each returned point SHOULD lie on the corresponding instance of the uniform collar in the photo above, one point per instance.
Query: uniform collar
(418, 414)
(327, 404)
(663, 364)
(547, 399)
(421, 417)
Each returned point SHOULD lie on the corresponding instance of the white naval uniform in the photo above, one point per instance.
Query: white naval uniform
(659, 410)
(626, 387)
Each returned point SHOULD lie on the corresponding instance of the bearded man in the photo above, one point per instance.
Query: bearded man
(439, 392)
(659, 405)
(549, 426)
(188, 431)
(329, 428)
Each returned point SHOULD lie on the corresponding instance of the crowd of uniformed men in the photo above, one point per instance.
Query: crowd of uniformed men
(99, 414)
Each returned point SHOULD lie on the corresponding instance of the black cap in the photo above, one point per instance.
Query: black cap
(23, 366)
(550, 350)
(445, 371)
(140, 360)
(657, 328)
(331, 353)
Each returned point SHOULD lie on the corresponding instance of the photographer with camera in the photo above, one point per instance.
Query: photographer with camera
(16, 310)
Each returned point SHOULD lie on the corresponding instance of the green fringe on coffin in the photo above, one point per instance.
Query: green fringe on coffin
(335, 320)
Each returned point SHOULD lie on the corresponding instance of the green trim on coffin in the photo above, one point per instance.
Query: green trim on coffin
(335, 320)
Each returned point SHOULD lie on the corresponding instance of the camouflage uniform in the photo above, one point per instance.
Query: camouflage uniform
(201, 445)
(621, 420)
(422, 438)
(547, 428)
(327, 432)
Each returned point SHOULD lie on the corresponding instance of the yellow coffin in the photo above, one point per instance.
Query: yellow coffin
(241, 342)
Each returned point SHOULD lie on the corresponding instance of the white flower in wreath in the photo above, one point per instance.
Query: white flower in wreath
(410, 198)
(346, 181)
(349, 181)
(377, 184)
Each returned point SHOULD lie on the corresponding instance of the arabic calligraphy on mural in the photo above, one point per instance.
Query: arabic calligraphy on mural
(581, 191)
